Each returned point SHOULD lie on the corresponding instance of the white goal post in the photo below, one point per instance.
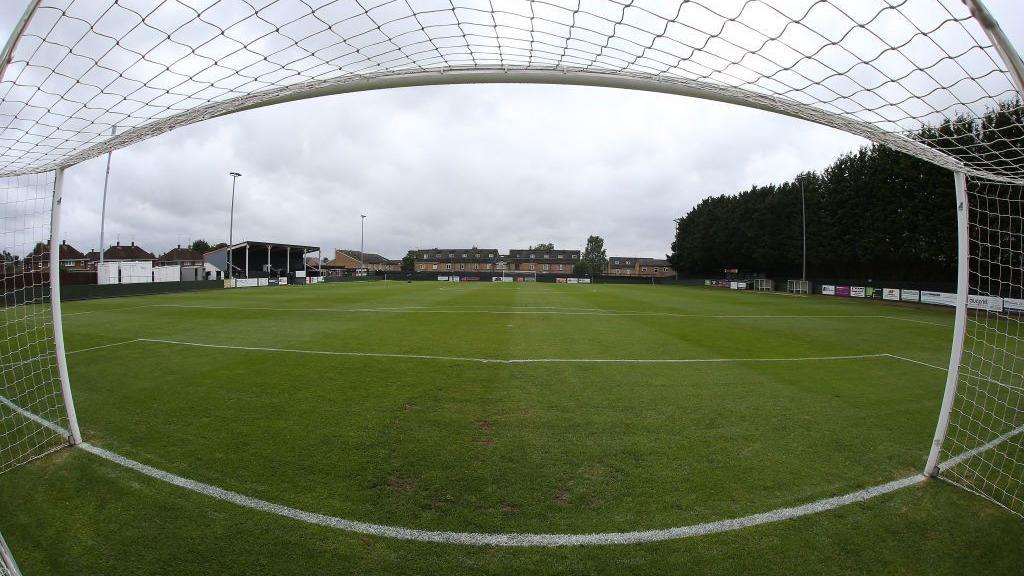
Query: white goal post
(798, 286)
(764, 285)
(936, 79)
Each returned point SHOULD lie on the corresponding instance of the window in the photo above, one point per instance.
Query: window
(533, 255)
(448, 266)
(547, 255)
(545, 267)
(561, 267)
(615, 262)
(476, 266)
(422, 266)
(433, 266)
(451, 255)
(643, 268)
(491, 255)
(477, 254)
(462, 266)
(531, 266)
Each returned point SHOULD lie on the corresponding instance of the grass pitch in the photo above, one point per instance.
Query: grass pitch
(627, 408)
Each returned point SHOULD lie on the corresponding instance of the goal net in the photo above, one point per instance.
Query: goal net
(935, 79)
(764, 285)
(32, 413)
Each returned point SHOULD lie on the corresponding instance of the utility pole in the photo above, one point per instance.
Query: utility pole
(231, 226)
(362, 222)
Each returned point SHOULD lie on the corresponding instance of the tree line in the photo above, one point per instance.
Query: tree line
(872, 214)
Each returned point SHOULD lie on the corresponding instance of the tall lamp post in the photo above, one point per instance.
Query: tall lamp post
(231, 226)
(362, 222)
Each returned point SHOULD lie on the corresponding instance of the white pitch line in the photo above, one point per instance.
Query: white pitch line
(905, 359)
(556, 312)
(506, 539)
(101, 346)
(975, 451)
(510, 360)
(37, 419)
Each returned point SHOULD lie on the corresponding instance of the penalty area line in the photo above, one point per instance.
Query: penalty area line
(510, 360)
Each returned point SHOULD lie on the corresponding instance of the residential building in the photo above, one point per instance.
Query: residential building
(70, 257)
(458, 260)
(131, 253)
(543, 261)
(180, 257)
(643, 267)
(353, 259)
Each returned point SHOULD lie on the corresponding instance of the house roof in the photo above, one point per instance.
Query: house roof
(130, 252)
(67, 252)
(622, 260)
(368, 257)
(654, 262)
(458, 254)
(180, 254)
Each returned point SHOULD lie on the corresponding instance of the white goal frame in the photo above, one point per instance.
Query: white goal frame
(764, 285)
(30, 146)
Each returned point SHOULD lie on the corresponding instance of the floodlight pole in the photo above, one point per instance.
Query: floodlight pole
(362, 223)
(103, 206)
(959, 325)
(231, 225)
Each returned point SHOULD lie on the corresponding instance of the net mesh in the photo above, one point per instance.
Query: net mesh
(984, 445)
(920, 76)
(883, 69)
(30, 392)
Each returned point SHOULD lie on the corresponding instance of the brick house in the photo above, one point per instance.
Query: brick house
(643, 267)
(458, 260)
(180, 257)
(544, 261)
(350, 259)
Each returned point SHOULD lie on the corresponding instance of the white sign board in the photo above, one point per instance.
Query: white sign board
(584, 280)
(733, 285)
(991, 303)
(910, 295)
(741, 285)
(890, 293)
(572, 280)
(300, 273)
(1013, 304)
(939, 298)
(245, 282)
(857, 291)
(442, 278)
(828, 290)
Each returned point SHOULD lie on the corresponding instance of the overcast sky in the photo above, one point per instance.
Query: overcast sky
(495, 166)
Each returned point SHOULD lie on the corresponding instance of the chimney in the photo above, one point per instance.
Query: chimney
(133, 243)
(118, 242)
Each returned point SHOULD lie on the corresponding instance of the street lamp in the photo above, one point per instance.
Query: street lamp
(231, 226)
(362, 222)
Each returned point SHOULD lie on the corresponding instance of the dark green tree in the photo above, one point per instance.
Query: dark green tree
(594, 258)
(200, 245)
(408, 262)
(543, 246)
